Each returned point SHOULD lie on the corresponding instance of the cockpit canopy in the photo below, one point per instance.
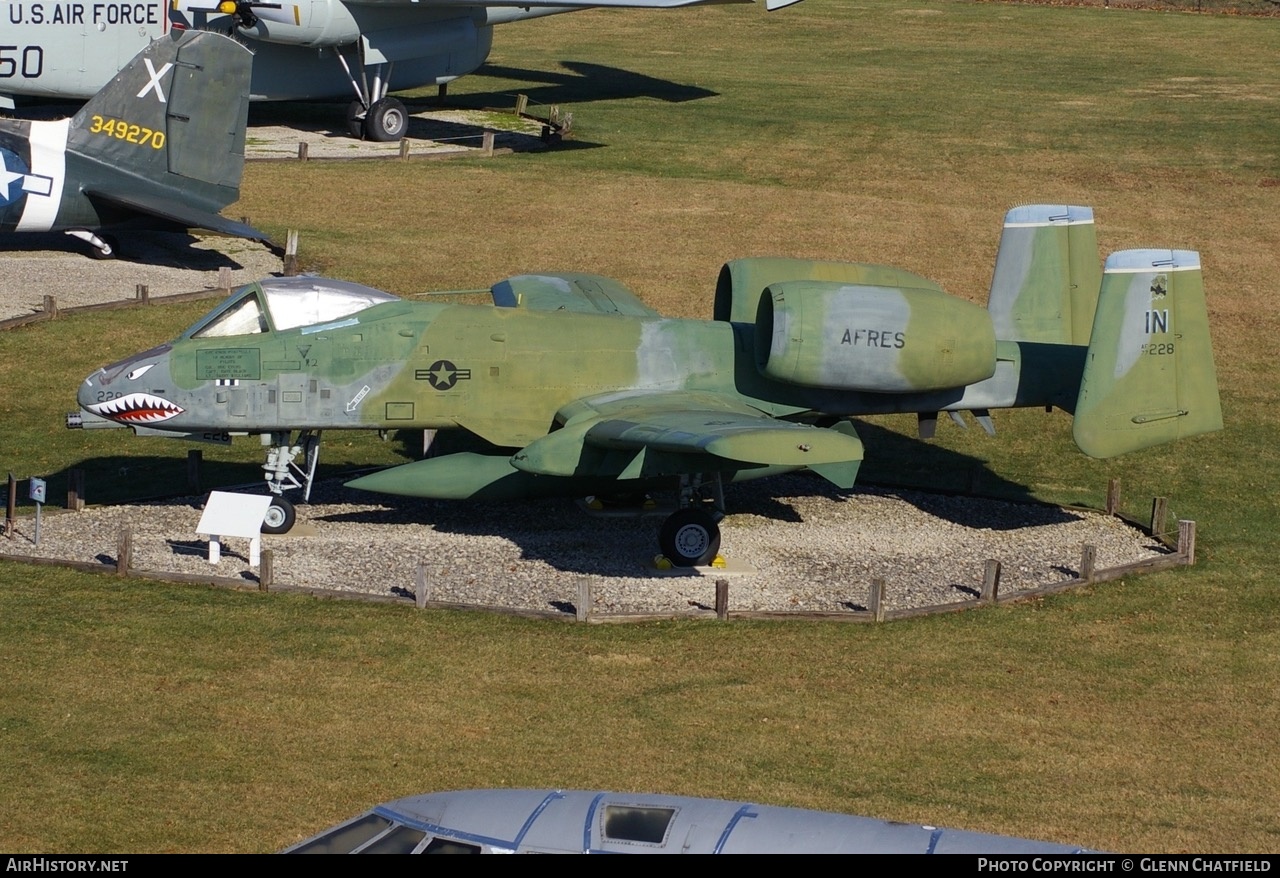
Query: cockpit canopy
(277, 304)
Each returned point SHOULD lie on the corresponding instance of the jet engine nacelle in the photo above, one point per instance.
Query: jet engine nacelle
(864, 337)
(742, 281)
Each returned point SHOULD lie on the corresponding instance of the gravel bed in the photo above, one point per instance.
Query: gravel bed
(793, 544)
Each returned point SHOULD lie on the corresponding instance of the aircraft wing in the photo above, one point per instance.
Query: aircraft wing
(176, 212)
(674, 432)
(569, 4)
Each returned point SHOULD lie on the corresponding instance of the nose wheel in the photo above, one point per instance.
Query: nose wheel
(280, 517)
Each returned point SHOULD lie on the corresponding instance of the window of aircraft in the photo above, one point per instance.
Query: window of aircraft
(306, 301)
(346, 837)
(242, 317)
(291, 302)
(632, 823)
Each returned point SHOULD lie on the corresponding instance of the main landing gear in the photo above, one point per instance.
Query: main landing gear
(373, 115)
(690, 537)
(283, 474)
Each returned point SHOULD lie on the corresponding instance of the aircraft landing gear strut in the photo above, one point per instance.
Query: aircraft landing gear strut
(690, 537)
(282, 474)
(104, 247)
(373, 115)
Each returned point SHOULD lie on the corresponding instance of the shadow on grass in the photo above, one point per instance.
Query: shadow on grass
(583, 83)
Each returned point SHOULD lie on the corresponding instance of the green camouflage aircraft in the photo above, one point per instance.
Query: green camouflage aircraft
(161, 146)
(585, 390)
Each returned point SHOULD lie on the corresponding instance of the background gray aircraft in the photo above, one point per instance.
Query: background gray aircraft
(70, 49)
(578, 822)
(161, 146)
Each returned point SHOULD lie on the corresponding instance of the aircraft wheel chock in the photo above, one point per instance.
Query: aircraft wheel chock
(386, 121)
(280, 517)
(690, 537)
(355, 120)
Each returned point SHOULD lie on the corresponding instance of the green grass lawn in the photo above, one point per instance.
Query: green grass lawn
(1137, 715)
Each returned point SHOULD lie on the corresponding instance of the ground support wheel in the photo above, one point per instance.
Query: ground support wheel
(387, 121)
(690, 537)
(280, 517)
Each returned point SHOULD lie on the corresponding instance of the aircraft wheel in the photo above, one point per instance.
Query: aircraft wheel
(280, 517)
(355, 119)
(690, 537)
(112, 248)
(386, 121)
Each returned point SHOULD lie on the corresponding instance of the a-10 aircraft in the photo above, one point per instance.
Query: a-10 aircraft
(502, 821)
(311, 49)
(581, 389)
(161, 146)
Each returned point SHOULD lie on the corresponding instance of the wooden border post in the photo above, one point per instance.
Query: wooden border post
(1113, 496)
(722, 600)
(142, 293)
(124, 552)
(991, 582)
(1187, 540)
(267, 571)
(51, 306)
(1159, 515)
(522, 103)
(875, 601)
(194, 458)
(11, 508)
(1088, 559)
(290, 267)
(582, 607)
(420, 591)
(486, 143)
(75, 490)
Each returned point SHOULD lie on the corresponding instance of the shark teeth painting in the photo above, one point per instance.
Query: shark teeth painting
(137, 408)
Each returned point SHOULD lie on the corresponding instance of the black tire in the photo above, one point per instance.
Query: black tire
(355, 120)
(280, 517)
(690, 538)
(112, 251)
(387, 121)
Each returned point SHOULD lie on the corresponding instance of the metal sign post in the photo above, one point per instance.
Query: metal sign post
(36, 492)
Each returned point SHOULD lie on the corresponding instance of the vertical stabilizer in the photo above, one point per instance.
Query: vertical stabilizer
(174, 119)
(1045, 284)
(1148, 375)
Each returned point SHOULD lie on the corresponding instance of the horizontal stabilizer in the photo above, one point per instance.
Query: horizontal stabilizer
(1149, 376)
(176, 212)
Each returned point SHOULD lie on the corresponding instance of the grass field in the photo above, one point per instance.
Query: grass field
(1136, 716)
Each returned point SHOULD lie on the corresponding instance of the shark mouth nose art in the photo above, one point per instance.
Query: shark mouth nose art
(137, 408)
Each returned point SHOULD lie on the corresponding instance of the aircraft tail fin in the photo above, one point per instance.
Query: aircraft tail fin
(1148, 376)
(174, 118)
(1045, 284)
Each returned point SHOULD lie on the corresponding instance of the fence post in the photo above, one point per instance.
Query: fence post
(124, 552)
(1159, 515)
(1088, 557)
(522, 102)
(142, 293)
(722, 600)
(291, 253)
(582, 608)
(75, 490)
(11, 508)
(875, 601)
(302, 151)
(1187, 540)
(194, 458)
(51, 306)
(991, 582)
(1113, 496)
(267, 572)
(420, 587)
(486, 143)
